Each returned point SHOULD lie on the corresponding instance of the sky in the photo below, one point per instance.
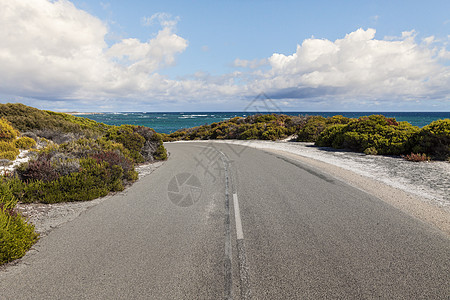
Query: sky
(116, 56)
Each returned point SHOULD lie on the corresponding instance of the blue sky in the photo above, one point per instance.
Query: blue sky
(218, 55)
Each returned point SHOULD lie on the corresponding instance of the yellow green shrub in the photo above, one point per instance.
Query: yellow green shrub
(10, 155)
(7, 146)
(434, 140)
(25, 143)
(16, 236)
(7, 132)
(8, 150)
(372, 134)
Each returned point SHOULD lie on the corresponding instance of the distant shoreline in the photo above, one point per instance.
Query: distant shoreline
(74, 113)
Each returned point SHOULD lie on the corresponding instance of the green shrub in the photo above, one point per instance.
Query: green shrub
(26, 118)
(266, 127)
(313, 126)
(7, 132)
(25, 143)
(93, 181)
(115, 159)
(434, 140)
(7, 146)
(65, 164)
(311, 130)
(382, 134)
(161, 153)
(16, 236)
(10, 155)
(371, 151)
(8, 150)
(332, 136)
(131, 140)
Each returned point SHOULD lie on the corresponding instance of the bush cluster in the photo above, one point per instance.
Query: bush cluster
(77, 159)
(75, 171)
(9, 144)
(25, 118)
(7, 132)
(310, 130)
(263, 127)
(25, 143)
(434, 140)
(16, 235)
(72, 166)
(372, 135)
(377, 134)
(96, 178)
(8, 150)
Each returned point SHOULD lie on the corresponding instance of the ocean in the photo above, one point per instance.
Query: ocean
(167, 122)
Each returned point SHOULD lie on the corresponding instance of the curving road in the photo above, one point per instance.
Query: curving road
(220, 221)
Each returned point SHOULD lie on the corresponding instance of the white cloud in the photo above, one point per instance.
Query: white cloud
(358, 65)
(54, 50)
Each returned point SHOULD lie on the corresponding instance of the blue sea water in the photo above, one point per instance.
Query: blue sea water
(172, 121)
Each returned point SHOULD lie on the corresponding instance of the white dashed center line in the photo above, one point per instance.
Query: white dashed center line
(237, 217)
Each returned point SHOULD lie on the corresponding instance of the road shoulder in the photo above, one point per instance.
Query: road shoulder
(411, 204)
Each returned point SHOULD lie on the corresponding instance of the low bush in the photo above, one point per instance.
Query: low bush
(25, 143)
(7, 146)
(114, 159)
(160, 153)
(130, 139)
(7, 132)
(93, 181)
(65, 164)
(8, 150)
(371, 151)
(263, 127)
(434, 140)
(377, 133)
(16, 235)
(416, 157)
(313, 126)
(40, 169)
(9, 155)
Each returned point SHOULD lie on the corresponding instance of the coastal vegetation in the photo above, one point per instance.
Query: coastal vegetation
(16, 235)
(372, 135)
(69, 159)
(263, 127)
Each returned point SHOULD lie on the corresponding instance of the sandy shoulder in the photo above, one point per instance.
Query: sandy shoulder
(416, 206)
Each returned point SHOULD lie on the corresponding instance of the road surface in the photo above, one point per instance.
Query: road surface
(220, 221)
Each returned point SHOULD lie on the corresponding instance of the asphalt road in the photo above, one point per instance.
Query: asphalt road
(219, 221)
